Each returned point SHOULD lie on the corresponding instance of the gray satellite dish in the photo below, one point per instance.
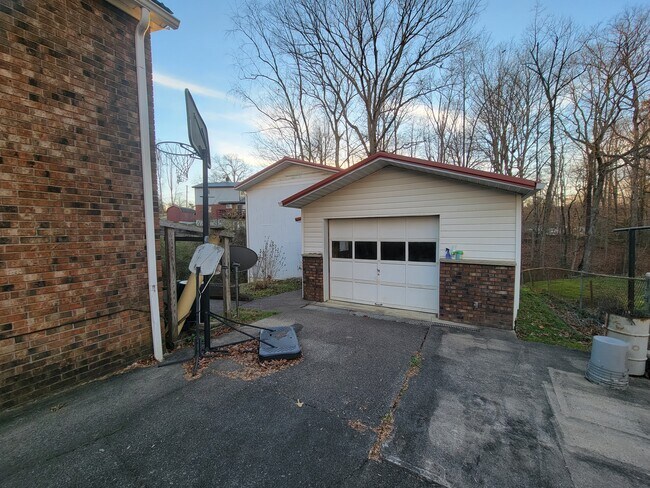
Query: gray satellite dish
(243, 257)
(206, 257)
(196, 129)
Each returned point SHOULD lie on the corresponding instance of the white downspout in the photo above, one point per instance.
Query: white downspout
(147, 180)
(518, 237)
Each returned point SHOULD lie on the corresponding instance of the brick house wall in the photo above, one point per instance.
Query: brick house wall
(479, 294)
(73, 275)
(312, 277)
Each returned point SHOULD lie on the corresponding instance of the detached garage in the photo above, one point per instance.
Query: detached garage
(376, 234)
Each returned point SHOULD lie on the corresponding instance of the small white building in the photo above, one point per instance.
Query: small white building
(219, 191)
(266, 219)
(223, 198)
(378, 233)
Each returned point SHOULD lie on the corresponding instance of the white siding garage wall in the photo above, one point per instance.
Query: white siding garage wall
(477, 220)
(266, 218)
(480, 221)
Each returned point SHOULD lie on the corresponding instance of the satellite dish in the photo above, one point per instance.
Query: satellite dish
(244, 257)
(207, 257)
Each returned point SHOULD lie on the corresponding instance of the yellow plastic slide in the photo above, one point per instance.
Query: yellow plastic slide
(188, 296)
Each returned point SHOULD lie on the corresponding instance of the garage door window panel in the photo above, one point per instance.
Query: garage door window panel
(366, 250)
(422, 252)
(393, 251)
(342, 249)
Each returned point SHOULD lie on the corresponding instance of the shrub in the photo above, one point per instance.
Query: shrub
(270, 261)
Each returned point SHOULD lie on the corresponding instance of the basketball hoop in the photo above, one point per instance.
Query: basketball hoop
(177, 154)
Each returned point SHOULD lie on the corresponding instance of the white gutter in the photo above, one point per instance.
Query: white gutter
(147, 180)
(159, 18)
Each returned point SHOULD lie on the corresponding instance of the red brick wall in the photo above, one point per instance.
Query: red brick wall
(73, 282)
(221, 211)
(477, 294)
(312, 277)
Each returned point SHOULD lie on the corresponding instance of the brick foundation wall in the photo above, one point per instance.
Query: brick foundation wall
(73, 277)
(464, 285)
(312, 277)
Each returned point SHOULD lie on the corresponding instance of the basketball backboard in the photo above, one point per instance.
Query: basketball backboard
(196, 129)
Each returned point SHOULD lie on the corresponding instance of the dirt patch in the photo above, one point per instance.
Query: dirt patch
(583, 322)
(246, 356)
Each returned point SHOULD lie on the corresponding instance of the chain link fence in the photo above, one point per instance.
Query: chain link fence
(592, 291)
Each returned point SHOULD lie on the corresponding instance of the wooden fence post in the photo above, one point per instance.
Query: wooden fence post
(225, 272)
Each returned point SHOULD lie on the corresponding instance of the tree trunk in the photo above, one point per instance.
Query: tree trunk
(593, 218)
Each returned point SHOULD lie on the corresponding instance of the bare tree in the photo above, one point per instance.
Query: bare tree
(596, 109)
(552, 50)
(229, 167)
(355, 66)
(631, 31)
(510, 110)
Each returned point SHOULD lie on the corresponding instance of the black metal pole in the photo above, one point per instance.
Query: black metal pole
(236, 266)
(631, 268)
(205, 297)
(197, 334)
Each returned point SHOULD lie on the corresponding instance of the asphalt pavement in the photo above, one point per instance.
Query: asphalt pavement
(478, 413)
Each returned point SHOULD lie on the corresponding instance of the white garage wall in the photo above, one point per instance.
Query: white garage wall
(266, 218)
(477, 220)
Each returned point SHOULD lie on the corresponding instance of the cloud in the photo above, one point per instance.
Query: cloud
(243, 116)
(176, 84)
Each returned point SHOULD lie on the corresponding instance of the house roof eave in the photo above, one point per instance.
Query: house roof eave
(381, 160)
(161, 17)
(278, 166)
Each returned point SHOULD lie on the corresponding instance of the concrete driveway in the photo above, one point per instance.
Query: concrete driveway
(484, 409)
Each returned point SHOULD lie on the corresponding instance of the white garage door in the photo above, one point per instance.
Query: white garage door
(391, 262)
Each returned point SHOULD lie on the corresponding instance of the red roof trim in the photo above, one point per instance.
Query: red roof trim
(421, 162)
(286, 159)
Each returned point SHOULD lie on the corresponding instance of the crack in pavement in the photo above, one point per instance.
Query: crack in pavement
(385, 429)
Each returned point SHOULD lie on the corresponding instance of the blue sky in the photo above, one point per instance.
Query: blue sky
(201, 55)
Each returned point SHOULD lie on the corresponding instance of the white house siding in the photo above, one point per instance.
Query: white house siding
(266, 218)
(216, 195)
(477, 220)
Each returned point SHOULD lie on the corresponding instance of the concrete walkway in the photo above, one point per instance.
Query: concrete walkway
(489, 410)
(480, 412)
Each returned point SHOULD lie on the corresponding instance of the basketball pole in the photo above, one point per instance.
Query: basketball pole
(205, 297)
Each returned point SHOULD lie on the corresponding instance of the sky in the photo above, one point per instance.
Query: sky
(201, 56)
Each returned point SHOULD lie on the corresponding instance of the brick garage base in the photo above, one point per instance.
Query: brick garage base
(478, 294)
(312, 277)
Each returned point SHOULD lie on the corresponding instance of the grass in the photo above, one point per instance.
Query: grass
(598, 292)
(250, 315)
(537, 322)
(416, 361)
(255, 290)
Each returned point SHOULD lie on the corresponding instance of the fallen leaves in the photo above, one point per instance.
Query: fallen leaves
(246, 356)
(383, 432)
(358, 426)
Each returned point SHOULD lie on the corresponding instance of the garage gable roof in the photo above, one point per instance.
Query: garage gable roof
(381, 160)
(276, 168)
